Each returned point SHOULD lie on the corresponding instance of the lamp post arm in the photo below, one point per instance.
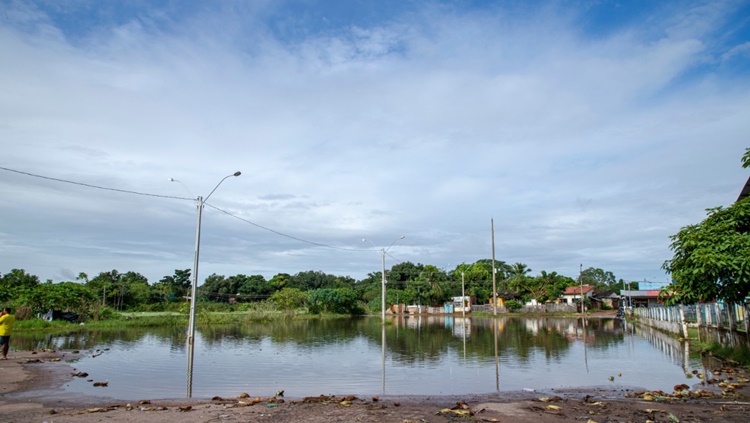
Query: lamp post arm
(238, 173)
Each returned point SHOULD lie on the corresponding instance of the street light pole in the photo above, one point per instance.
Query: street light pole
(383, 251)
(194, 285)
(463, 297)
(382, 283)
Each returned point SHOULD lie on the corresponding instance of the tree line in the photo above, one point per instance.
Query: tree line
(408, 283)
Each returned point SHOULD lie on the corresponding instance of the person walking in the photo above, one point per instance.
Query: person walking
(6, 328)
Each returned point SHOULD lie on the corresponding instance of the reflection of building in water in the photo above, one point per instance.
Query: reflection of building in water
(533, 325)
(414, 322)
(461, 327)
(676, 351)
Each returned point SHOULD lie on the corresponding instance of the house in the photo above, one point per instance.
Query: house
(641, 298)
(504, 297)
(605, 300)
(572, 294)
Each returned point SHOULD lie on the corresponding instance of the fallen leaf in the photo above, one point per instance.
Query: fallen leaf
(553, 407)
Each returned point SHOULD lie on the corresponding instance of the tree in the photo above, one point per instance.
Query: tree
(546, 286)
(280, 281)
(712, 259)
(256, 286)
(402, 273)
(63, 296)
(311, 279)
(338, 300)
(175, 286)
(601, 279)
(288, 298)
(14, 283)
(102, 285)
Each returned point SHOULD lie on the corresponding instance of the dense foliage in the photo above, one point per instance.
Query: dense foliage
(712, 259)
(314, 291)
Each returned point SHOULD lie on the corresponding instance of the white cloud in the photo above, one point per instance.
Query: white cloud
(584, 150)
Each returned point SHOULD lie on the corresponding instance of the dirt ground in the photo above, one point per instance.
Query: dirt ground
(27, 378)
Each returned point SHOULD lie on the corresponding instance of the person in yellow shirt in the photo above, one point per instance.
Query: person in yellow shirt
(6, 328)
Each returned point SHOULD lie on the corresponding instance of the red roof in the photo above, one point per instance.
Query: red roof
(576, 290)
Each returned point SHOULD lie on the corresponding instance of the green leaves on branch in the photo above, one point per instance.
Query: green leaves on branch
(711, 259)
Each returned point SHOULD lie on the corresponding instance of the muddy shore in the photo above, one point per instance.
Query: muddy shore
(30, 378)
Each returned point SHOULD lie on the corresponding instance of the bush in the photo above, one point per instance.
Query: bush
(289, 299)
(513, 305)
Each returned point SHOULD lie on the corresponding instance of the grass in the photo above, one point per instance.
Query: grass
(733, 355)
(170, 318)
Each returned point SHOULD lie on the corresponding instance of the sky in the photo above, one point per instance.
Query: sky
(586, 132)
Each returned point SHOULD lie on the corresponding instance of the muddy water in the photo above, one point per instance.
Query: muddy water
(422, 356)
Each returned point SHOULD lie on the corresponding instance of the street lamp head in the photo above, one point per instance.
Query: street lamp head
(238, 173)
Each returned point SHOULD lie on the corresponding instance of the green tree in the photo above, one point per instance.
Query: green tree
(288, 299)
(311, 279)
(712, 259)
(256, 286)
(601, 279)
(338, 300)
(402, 273)
(132, 290)
(64, 296)
(15, 283)
(102, 285)
(280, 281)
(176, 286)
(218, 284)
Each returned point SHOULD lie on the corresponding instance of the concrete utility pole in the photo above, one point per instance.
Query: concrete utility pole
(583, 302)
(494, 272)
(383, 252)
(194, 285)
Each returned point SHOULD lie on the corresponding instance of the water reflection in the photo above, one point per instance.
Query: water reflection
(413, 355)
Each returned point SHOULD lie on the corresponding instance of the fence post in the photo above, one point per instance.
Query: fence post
(730, 316)
(683, 323)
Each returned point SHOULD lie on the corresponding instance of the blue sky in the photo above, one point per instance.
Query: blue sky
(589, 131)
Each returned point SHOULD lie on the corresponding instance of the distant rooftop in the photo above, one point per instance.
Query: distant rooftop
(745, 190)
(576, 290)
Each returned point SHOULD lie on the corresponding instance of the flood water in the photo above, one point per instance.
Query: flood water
(436, 355)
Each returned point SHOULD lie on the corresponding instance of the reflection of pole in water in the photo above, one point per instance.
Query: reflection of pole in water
(585, 349)
(463, 324)
(497, 360)
(383, 355)
(190, 370)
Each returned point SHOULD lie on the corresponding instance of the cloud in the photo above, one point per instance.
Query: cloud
(584, 147)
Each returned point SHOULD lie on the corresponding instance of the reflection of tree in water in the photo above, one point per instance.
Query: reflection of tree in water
(302, 333)
(89, 339)
(410, 340)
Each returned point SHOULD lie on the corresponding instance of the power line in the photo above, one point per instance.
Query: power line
(94, 186)
(182, 198)
(283, 234)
